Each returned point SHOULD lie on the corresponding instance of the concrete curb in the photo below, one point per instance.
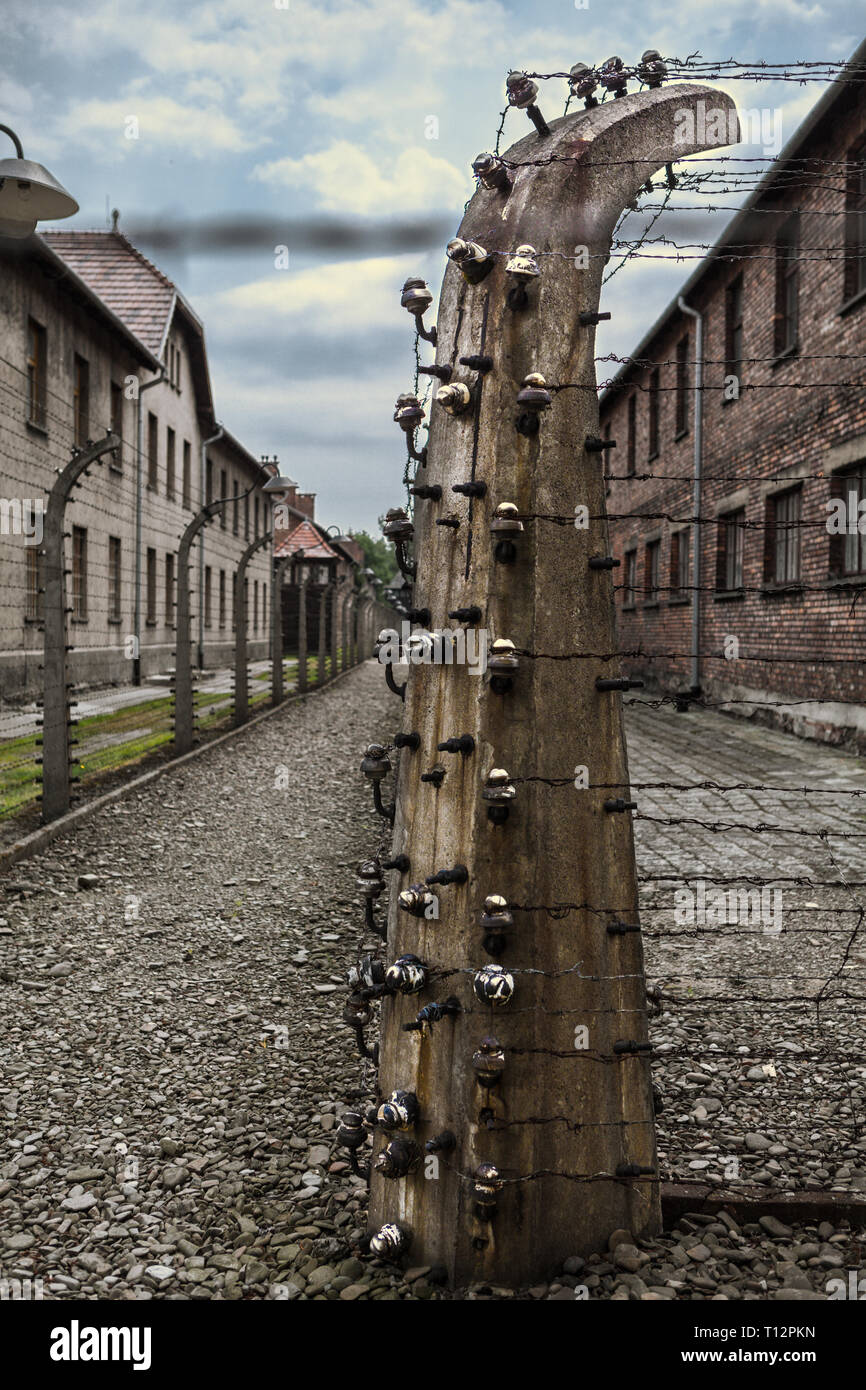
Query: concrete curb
(32, 844)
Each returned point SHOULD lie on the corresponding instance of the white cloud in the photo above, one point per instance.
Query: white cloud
(199, 130)
(344, 177)
(333, 299)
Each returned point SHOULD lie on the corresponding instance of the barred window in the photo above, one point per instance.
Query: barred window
(787, 286)
(651, 571)
(782, 545)
(79, 573)
(682, 391)
(36, 373)
(654, 403)
(115, 578)
(680, 563)
(729, 551)
(855, 221)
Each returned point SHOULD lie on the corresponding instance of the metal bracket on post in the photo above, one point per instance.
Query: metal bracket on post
(55, 737)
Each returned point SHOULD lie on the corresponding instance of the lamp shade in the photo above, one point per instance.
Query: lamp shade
(29, 194)
(278, 484)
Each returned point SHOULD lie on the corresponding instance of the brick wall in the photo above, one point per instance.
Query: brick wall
(794, 427)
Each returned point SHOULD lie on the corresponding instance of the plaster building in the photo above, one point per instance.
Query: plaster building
(92, 336)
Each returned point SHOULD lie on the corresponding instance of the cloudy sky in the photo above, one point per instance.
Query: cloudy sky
(312, 122)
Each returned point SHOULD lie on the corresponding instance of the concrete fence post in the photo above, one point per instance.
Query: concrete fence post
(56, 740)
(541, 1077)
(184, 714)
(322, 648)
(277, 685)
(241, 672)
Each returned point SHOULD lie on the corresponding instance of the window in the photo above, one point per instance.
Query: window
(734, 329)
(116, 408)
(247, 516)
(855, 221)
(169, 462)
(264, 607)
(631, 438)
(654, 401)
(152, 450)
(186, 496)
(782, 537)
(255, 605)
(208, 481)
(257, 532)
(682, 391)
(169, 588)
(224, 492)
(34, 610)
(651, 571)
(151, 587)
(787, 286)
(629, 594)
(81, 400)
(174, 360)
(115, 574)
(729, 551)
(207, 596)
(222, 598)
(79, 574)
(36, 373)
(848, 551)
(235, 508)
(680, 562)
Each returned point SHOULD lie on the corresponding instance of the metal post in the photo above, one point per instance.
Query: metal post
(569, 1126)
(56, 742)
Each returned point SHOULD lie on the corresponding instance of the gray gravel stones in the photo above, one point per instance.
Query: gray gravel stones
(175, 1063)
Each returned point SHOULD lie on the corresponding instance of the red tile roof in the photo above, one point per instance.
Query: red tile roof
(305, 537)
(132, 287)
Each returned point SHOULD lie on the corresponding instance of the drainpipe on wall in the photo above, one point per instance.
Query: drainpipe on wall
(202, 484)
(139, 503)
(696, 525)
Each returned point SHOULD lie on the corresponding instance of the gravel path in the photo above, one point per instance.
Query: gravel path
(174, 1061)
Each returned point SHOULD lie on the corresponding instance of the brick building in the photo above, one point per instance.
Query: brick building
(771, 618)
(92, 336)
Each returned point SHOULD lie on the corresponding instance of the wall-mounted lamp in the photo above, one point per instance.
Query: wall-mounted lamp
(29, 194)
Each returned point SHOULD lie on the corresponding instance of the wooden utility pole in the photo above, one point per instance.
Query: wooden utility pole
(566, 1117)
